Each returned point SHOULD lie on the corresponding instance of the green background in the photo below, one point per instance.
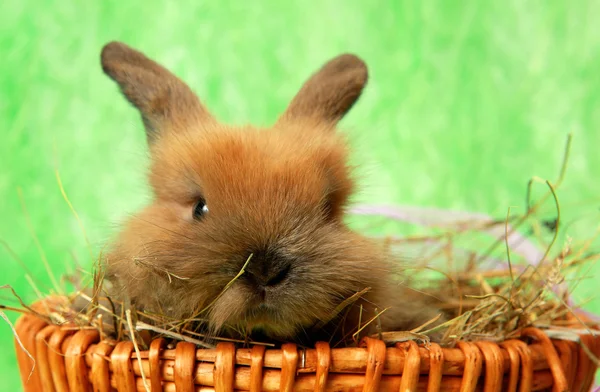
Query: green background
(466, 101)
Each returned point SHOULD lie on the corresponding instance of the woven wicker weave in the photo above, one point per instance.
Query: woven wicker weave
(75, 360)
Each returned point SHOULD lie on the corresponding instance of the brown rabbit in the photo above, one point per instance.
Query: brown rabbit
(272, 197)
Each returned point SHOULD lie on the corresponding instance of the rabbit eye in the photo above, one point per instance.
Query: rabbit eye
(200, 209)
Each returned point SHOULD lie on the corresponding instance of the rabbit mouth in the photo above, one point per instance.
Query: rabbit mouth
(269, 320)
(244, 308)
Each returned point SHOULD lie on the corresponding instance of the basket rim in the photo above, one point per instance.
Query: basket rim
(537, 357)
(71, 356)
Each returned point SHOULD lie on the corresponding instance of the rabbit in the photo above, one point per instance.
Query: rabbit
(246, 229)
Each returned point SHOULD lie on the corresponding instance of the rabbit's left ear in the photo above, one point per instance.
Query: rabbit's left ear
(329, 93)
(165, 102)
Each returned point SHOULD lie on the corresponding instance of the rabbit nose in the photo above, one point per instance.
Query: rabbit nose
(268, 268)
(277, 276)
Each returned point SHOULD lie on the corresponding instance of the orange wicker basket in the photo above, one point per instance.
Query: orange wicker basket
(76, 360)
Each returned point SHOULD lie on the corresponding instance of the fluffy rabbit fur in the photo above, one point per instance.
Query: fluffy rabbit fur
(224, 193)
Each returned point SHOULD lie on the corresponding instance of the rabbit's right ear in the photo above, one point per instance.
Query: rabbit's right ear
(330, 92)
(164, 101)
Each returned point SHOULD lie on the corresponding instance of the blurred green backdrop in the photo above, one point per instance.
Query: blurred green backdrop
(466, 101)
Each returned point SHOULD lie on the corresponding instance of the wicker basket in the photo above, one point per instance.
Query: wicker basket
(75, 360)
